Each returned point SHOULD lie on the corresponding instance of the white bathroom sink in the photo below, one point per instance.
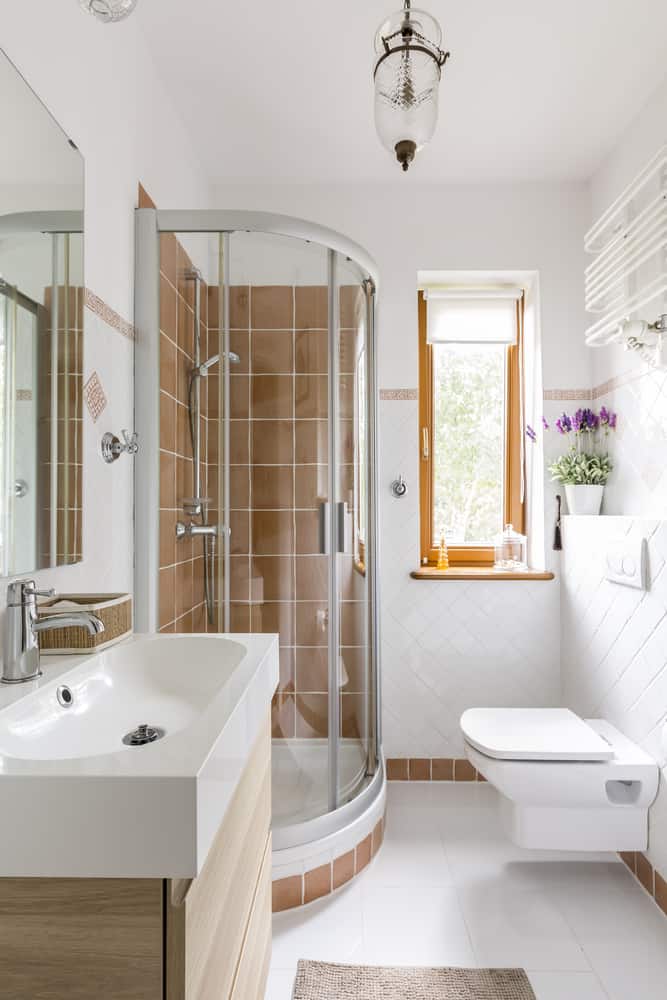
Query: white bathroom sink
(77, 801)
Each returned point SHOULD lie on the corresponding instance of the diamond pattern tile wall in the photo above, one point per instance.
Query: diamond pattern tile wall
(450, 645)
(614, 642)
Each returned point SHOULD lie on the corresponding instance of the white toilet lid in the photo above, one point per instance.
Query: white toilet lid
(533, 734)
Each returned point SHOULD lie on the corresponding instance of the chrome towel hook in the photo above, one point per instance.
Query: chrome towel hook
(113, 448)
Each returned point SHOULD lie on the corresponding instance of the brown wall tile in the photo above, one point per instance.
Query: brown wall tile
(272, 352)
(363, 853)
(272, 532)
(311, 307)
(272, 487)
(311, 443)
(167, 480)
(167, 595)
(312, 668)
(310, 485)
(272, 307)
(311, 623)
(276, 577)
(645, 872)
(312, 715)
(312, 579)
(311, 396)
(239, 397)
(274, 616)
(167, 365)
(317, 883)
(287, 892)
(272, 397)
(272, 442)
(343, 869)
(168, 309)
(661, 892)
(167, 422)
(442, 769)
(419, 769)
(397, 769)
(311, 352)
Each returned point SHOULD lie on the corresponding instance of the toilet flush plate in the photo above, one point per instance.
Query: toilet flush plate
(533, 734)
(627, 563)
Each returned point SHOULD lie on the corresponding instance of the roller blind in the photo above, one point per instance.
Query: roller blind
(472, 316)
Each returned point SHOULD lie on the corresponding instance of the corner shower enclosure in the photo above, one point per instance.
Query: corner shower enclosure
(255, 486)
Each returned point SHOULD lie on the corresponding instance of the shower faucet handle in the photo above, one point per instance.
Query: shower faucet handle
(131, 446)
(113, 448)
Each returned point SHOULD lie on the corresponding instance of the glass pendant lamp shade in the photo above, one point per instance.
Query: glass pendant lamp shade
(407, 77)
(109, 10)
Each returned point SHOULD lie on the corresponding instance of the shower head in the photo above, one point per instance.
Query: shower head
(203, 368)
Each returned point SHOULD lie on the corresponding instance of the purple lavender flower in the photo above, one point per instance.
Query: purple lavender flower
(612, 421)
(564, 424)
(578, 421)
(604, 416)
(530, 433)
(545, 424)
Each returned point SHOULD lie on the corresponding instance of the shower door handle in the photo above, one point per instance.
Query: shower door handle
(324, 529)
(342, 527)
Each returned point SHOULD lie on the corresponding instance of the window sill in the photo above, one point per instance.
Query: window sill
(477, 573)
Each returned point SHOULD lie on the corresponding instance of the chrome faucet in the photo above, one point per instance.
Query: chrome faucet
(20, 660)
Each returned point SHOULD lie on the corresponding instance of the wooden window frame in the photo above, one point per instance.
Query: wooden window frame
(514, 504)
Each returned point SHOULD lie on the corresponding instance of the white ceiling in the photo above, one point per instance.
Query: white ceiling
(35, 150)
(282, 91)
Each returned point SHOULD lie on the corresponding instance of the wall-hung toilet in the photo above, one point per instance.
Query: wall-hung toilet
(565, 783)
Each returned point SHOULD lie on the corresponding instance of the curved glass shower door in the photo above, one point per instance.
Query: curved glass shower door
(273, 332)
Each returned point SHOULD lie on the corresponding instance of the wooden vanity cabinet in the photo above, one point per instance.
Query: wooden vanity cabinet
(152, 939)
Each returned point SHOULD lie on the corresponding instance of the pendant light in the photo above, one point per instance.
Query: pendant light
(407, 76)
(109, 10)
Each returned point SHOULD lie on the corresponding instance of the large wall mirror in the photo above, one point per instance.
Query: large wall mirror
(41, 334)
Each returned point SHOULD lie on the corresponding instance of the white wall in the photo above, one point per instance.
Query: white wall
(449, 645)
(99, 83)
(615, 640)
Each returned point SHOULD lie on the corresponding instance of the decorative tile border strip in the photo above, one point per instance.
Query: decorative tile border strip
(431, 769)
(297, 890)
(23, 395)
(95, 396)
(597, 390)
(551, 394)
(646, 874)
(109, 315)
(399, 394)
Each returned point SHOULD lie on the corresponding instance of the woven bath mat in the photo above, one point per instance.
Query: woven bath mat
(321, 981)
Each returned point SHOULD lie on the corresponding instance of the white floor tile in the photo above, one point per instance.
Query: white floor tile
(410, 858)
(415, 926)
(619, 913)
(565, 986)
(281, 984)
(448, 888)
(523, 929)
(330, 930)
(630, 970)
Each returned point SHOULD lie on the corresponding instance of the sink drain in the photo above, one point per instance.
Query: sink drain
(142, 734)
(65, 696)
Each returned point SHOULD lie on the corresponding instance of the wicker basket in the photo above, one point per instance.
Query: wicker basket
(115, 610)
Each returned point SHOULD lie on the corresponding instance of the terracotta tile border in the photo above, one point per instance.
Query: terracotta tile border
(647, 876)
(297, 890)
(399, 394)
(551, 394)
(109, 315)
(596, 391)
(431, 769)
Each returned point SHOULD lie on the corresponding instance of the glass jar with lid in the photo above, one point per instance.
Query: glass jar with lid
(510, 550)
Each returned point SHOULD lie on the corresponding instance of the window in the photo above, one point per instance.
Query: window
(470, 351)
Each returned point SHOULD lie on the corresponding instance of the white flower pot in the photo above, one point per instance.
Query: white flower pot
(584, 499)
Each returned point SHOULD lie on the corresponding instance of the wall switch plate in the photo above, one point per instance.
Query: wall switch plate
(627, 563)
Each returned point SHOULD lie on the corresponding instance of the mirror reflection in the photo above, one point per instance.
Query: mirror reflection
(41, 335)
